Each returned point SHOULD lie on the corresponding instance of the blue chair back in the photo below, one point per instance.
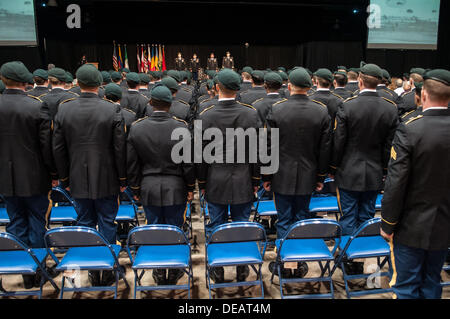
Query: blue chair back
(369, 228)
(238, 232)
(157, 235)
(316, 228)
(66, 196)
(74, 236)
(9, 242)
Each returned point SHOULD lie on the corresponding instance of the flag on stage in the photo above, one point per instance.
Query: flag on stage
(126, 58)
(163, 60)
(143, 60)
(115, 62)
(120, 59)
(156, 58)
(149, 58)
(159, 57)
(152, 60)
(138, 58)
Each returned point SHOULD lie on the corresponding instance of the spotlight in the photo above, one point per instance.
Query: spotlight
(355, 11)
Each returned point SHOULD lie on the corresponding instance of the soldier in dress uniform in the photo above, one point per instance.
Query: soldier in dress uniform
(210, 93)
(69, 81)
(180, 64)
(194, 66)
(416, 202)
(143, 84)
(2, 86)
(323, 94)
(352, 84)
(113, 94)
(26, 170)
(272, 84)
(418, 111)
(124, 73)
(363, 131)
(106, 78)
(58, 94)
(407, 100)
(384, 91)
(212, 100)
(133, 99)
(116, 77)
(228, 185)
(304, 146)
(340, 81)
(89, 147)
(284, 87)
(161, 185)
(40, 78)
(184, 93)
(212, 64)
(257, 90)
(246, 79)
(228, 61)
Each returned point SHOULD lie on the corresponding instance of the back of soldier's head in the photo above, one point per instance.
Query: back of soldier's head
(436, 87)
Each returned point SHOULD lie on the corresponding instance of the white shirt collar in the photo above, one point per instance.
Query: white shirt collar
(227, 99)
(436, 108)
(368, 90)
(381, 85)
(323, 89)
(273, 93)
(134, 90)
(352, 81)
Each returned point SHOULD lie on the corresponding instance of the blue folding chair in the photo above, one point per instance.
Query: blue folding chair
(87, 250)
(205, 212)
(324, 204)
(159, 247)
(378, 202)
(187, 226)
(365, 242)
(18, 259)
(305, 242)
(63, 213)
(126, 217)
(236, 244)
(4, 217)
(446, 268)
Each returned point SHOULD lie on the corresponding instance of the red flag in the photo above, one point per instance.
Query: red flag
(163, 59)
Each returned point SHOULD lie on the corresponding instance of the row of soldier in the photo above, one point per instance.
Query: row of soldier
(104, 136)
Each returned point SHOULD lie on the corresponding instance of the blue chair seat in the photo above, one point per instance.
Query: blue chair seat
(267, 208)
(304, 249)
(378, 202)
(228, 254)
(365, 247)
(97, 257)
(125, 213)
(62, 214)
(19, 261)
(188, 211)
(4, 218)
(323, 204)
(176, 256)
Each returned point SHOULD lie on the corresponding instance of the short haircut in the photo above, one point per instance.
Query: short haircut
(84, 86)
(112, 97)
(257, 80)
(158, 104)
(38, 80)
(132, 85)
(340, 79)
(437, 91)
(273, 86)
(9, 82)
(226, 90)
(417, 78)
(246, 75)
(370, 82)
(352, 75)
(323, 83)
(55, 81)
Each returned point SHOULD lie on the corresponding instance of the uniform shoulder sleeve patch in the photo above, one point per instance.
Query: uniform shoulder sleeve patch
(413, 119)
(390, 101)
(34, 97)
(350, 98)
(318, 102)
(393, 153)
(283, 100)
(179, 120)
(208, 108)
(137, 121)
(247, 105)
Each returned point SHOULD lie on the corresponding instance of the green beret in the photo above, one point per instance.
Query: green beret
(216, 79)
(113, 89)
(183, 75)
(372, 70)
(439, 75)
(115, 76)
(283, 75)
(355, 70)
(281, 69)
(258, 75)
(230, 79)
(419, 86)
(170, 82)
(89, 75)
(16, 71)
(247, 69)
(386, 75)
(341, 67)
(57, 73)
(341, 73)
(30, 78)
(273, 77)
(126, 70)
(158, 74)
(419, 71)
(175, 74)
(133, 77)
(161, 93)
(324, 74)
(210, 84)
(41, 74)
(307, 70)
(2, 86)
(144, 77)
(300, 77)
(69, 77)
(106, 77)
(361, 64)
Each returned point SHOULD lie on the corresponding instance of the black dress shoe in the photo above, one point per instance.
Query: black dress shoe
(94, 278)
(159, 275)
(217, 274)
(301, 271)
(28, 281)
(108, 278)
(285, 273)
(242, 273)
(174, 275)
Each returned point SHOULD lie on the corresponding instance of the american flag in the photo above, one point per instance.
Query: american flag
(138, 59)
(115, 63)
